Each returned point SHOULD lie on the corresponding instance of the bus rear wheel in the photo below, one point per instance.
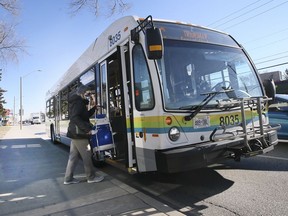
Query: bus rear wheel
(52, 135)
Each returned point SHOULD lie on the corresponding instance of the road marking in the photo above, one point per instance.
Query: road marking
(272, 157)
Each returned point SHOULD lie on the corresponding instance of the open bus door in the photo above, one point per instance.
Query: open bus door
(115, 101)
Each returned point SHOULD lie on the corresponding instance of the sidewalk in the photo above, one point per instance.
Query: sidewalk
(32, 171)
(28, 131)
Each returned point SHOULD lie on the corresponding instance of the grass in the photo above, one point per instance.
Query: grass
(4, 130)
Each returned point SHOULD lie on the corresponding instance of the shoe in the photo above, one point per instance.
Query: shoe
(73, 181)
(96, 179)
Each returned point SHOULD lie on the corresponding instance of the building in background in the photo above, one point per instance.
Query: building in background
(279, 79)
(275, 75)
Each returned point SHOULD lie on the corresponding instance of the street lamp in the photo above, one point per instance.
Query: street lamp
(21, 105)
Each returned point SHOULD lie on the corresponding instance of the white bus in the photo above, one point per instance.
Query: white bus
(177, 96)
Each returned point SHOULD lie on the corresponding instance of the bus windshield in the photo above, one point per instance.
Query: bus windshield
(190, 70)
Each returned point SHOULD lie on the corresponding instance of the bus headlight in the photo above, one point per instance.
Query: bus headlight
(174, 134)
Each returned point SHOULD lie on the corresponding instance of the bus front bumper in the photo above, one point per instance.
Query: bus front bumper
(201, 155)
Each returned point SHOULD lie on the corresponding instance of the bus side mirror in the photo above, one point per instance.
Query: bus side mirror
(154, 43)
(270, 88)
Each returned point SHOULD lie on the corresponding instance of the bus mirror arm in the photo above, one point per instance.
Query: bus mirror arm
(153, 38)
(134, 35)
(141, 27)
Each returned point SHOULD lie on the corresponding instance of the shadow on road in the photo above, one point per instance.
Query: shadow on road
(178, 190)
(32, 173)
(189, 190)
(275, 160)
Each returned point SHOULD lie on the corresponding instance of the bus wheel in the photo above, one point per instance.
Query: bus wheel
(52, 135)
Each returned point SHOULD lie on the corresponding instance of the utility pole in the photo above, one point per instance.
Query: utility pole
(21, 108)
(21, 112)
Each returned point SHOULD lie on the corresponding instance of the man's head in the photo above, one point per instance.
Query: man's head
(81, 90)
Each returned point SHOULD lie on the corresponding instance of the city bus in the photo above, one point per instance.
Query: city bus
(177, 97)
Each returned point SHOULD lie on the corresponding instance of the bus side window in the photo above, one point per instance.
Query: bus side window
(144, 98)
(50, 108)
(64, 104)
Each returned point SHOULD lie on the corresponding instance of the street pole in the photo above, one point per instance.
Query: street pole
(20, 112)
(21, 105)
(14, 112)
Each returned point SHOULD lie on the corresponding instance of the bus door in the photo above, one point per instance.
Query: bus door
(144, 107)
(127, 116)
(115, 88)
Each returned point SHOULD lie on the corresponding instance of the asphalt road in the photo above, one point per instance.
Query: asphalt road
(254, 186)
(31, 183)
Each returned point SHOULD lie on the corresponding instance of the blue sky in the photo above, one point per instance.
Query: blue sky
(55, 39)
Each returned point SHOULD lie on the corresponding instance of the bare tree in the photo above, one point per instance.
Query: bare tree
(97, 6)
(10, 6)
(2, 100)
(10, 45)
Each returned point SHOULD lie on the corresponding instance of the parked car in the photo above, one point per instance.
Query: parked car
(278, 114)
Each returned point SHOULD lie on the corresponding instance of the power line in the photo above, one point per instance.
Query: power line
(269, 44)
(257, 15)
(233, 13)
(253, 9)
(271, 60)
(273, 66)
(260, 38)
(251, 17)
(271, 56)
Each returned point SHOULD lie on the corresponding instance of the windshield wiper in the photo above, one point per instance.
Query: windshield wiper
(204, 102)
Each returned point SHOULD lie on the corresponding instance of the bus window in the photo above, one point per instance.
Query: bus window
(115, 105)
(50, 108)
(88, 79)
(64, 104)
(191, 70)
(103, 90)
(144, 98)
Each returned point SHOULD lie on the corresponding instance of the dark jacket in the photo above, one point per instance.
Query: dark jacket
(79, 115)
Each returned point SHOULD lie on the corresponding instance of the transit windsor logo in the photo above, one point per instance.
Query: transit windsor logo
(202, 122)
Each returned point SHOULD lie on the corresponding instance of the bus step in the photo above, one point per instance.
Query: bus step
(120, 165)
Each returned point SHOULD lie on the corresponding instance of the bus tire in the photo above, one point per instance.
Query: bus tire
(52, 135)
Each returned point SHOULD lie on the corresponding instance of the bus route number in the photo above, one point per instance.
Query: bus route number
(229, 120)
